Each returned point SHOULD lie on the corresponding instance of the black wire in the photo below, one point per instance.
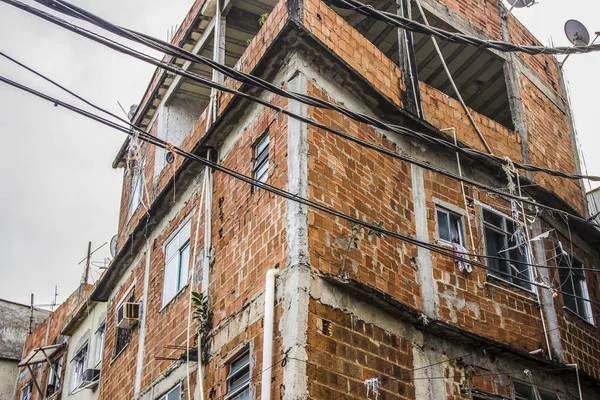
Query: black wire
(178, 52)
(177, 70)
(279, 192)
(140, 130)
(455, 37)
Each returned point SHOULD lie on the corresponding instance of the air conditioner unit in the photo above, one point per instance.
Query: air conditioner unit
(89, 380)
(128, 315)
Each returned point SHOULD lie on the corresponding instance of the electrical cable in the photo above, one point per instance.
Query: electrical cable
(177, 70)
(277, 191)
(178, 52)
(137, 128)
(456, 37)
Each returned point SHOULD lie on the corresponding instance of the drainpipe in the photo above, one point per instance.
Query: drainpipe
(142, 336)
(578, 382)
(265, 393)
(206, 262)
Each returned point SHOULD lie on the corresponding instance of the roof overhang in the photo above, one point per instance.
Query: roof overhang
(41, 355)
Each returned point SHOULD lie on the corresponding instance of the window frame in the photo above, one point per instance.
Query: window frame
(245, 385)
(123, 332)
(536, 393)
(182, 278)
(460, 228)
(79, 360)
(54, 373)
(500, 274)
(587, 314)
(260, 158)
(29, 388)
(100, 337)
(138, 182)
(174, 388)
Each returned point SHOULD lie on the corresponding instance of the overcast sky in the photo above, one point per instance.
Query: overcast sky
(58, 190)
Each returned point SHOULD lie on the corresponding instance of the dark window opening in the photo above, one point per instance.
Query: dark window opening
(501, 241)
(573, 285)
(479, 74)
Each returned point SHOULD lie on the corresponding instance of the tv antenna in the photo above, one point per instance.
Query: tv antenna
(578, 35)
(517, 4)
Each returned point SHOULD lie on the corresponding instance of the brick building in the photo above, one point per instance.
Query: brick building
(353, 311)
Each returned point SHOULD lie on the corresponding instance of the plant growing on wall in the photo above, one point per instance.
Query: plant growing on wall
(353, 240)
(201, 313)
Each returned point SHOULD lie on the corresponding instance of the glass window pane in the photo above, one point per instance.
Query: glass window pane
(455, 229)
(493, 218)
(262, 145)
(184, 234)
(494, 246)
(170, 281)
(523, 391)
(184, 263)
(171, 249)
(175, 394)
(262, 172)
(443, 226)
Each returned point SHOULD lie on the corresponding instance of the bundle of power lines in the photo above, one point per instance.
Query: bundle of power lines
(177, 52)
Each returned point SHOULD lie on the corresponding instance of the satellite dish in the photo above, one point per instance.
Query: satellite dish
(520, 3)
(577, 33)
(113, 246)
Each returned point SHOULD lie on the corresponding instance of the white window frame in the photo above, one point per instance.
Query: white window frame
(502, 276)
(537, 394)
(54, 374)
(183, 247)
(27, 391)
(100, 336)
(79, 364)
(175, 388)
(137, 186)
(260, 158)
(241, 385)
(585, 314)
(448, 214)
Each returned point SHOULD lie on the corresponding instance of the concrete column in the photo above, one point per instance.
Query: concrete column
(547, 299)
(296, 277)
(428, 288)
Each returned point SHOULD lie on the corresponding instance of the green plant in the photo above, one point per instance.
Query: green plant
(353, 241)
(263, 19)
(201, 314)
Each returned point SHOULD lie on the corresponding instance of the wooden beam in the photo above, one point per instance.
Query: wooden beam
(487, 85)
(449, 60)
(460, 70)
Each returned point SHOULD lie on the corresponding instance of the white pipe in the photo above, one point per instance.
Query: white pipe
(265, 390)
(190, 290)
(139, 368)
(578, 382)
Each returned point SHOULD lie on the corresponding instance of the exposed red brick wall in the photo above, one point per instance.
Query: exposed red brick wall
(443, 112)
(367, 185)
(42, 336)
(484, 15)
(550, 144)
(580, 340)
(351, 351)
(354, 49)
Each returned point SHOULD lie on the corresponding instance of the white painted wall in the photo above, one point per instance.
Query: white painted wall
(85, 332)
(8, 376)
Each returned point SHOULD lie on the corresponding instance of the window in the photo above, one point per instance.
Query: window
(177, 260)
(173, 394)
(501, 241)
(26, 392)
(524, 391)
(261, 158)
(79, 365)
(238, 379)
(123, 334)
(572, 283)
(137, 185)
(54, 375)
(449, 226)
(100, 342)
